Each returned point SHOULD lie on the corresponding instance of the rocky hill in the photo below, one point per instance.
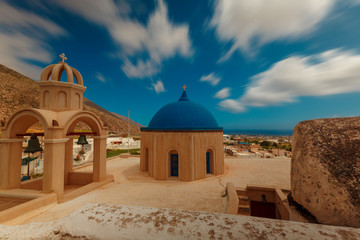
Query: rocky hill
(126, 119)
(18, 91)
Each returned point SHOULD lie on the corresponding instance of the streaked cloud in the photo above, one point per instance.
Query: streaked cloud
(251, 24)
(23, 39)
(99, 76)
(232, 106)
(159, 87)
(223, 93)
(355, 2)
(159, 39)
(331, 72)
(212, 78)
(141, 69)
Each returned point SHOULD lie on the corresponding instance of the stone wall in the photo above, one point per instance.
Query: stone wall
(325, 169)
(191, 147)
(233, 199)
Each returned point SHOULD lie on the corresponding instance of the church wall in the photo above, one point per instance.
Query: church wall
(167, 141)
(203, 142)
(191, 147)
(61, 96)
(60, 106)
(147, 140)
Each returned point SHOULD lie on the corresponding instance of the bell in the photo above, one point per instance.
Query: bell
(82, 140)
(33, 145)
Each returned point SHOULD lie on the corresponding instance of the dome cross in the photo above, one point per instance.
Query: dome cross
(184, 87)
(62, 56)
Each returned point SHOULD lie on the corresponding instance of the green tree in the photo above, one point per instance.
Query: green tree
(288, 147)
(265, 144)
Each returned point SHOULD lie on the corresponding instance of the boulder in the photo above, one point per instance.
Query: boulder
(325, 169)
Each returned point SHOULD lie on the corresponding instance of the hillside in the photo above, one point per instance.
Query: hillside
(126, 119)
(18, 91)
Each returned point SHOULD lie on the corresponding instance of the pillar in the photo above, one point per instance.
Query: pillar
(68, 159)
(192, 158)
(99, 159)
(142, 153)
(10, 163)
(54, 164)
(154, 158)
(219, 155)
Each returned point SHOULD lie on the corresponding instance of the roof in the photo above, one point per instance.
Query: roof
(183, 115)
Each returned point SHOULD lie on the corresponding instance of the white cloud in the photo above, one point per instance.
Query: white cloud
(99, 76)
(355, 2)
(20, 19)
(159, 38)
(141, 69)
(159, 87)
(211, 78)
(232, 106)
(328, 73)
(23, 40)
(223, 93)
(251, 24)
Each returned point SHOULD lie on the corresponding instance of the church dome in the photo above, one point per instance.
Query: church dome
(183, 115)
(53, 72)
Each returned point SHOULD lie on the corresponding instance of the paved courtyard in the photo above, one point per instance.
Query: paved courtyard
(134, 188)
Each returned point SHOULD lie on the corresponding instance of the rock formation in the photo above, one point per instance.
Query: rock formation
(325, 169)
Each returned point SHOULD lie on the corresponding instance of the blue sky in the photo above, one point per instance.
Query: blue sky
(255, 64)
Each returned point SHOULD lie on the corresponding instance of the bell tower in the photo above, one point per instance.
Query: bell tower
(61, 96)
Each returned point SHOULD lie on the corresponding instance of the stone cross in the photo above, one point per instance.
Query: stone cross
(184, 87)
(63, 57)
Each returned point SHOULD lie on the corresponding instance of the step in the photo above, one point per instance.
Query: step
(243, 200)
(240, 191)
(244, 210)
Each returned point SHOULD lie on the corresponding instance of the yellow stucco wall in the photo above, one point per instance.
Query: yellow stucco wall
(191, 147)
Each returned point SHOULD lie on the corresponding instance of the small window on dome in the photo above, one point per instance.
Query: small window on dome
(46, 99)
(63, 75)
(61, 99)
(77, 100)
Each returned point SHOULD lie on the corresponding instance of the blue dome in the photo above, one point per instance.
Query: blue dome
(183, 115)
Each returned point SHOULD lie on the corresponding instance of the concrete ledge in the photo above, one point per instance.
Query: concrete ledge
(111, 158)
(35, 183)
(256, 193)
(125, 155)
(85, 189)
(90, 163)
(282, 204)
(241, 191)
(80, 178)
(28, 207)
(233, 199)
(261, 187)
(110, 221)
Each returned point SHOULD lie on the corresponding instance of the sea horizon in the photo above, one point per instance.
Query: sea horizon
(259, 132)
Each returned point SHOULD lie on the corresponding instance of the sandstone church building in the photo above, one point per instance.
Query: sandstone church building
(183, 141)
(61, 108)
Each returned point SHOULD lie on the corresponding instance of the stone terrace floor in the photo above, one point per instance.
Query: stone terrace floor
(134, 188)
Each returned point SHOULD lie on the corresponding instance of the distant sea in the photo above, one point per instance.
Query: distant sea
(263, 132)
